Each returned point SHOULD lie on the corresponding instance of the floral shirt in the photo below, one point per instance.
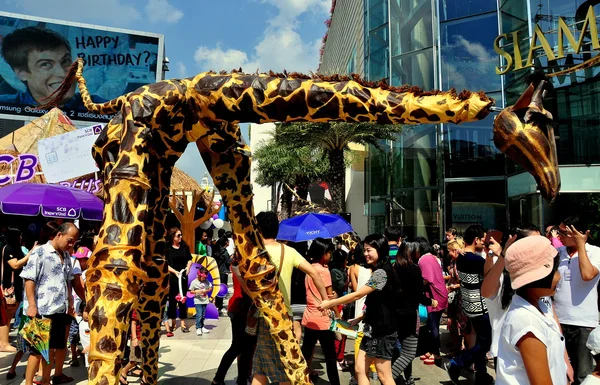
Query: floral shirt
(51, 277)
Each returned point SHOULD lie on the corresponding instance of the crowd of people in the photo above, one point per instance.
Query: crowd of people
(527, 300)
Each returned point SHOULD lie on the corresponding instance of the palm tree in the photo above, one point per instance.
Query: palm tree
(334, 139)
(280, 164)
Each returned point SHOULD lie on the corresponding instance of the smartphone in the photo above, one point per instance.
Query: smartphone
(497, 234)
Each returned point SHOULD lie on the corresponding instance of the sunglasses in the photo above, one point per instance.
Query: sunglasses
(177, 235)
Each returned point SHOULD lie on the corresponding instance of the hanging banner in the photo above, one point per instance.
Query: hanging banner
(68, 155)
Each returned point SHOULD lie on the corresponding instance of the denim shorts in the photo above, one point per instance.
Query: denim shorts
(379, 347)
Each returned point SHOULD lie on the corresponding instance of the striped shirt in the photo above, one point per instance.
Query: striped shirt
(470, 273)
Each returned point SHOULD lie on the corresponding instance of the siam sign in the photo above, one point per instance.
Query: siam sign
(539, 41)
(25, 171)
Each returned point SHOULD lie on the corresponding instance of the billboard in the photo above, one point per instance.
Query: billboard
(36, 54)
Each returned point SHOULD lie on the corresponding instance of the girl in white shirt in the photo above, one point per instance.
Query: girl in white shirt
(531, 348)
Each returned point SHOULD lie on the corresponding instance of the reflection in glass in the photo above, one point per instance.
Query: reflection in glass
(415, 69)
(481, 202)
(411, 26)
(414, 157)
(453, 9)
(469, 150)
(417, 212)
(468, 57)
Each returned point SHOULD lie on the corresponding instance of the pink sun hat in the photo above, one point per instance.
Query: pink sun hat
(529, 259)
(82, 252)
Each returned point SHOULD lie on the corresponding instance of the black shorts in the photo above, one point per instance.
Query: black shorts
(58, 331)
(379, 347)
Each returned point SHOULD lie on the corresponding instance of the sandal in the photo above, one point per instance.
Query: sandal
(123, 380)
(185, 330)
(135, 372)
(11, 375)
(170, 334)
(429, 361)
(425, 356)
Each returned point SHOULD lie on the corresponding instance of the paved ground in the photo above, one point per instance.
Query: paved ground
(187, 359)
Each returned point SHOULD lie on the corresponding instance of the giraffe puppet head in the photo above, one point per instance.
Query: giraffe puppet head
(525, 133)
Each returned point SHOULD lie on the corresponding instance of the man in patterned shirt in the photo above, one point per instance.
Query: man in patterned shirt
(470, 271)
(48, 275)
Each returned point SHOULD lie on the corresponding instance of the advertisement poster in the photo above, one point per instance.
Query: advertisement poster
(68, 155)
(36, 55)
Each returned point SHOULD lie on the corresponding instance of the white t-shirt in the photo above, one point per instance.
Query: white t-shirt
(76, 271)
(497, 315)
(522, 318)
(576, 301)
(363, 277)
(591, 380)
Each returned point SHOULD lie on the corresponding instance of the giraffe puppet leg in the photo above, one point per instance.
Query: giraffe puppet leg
(150, 309)
(113, 286)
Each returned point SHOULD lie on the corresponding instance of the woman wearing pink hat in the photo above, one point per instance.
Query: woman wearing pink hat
(532, 347)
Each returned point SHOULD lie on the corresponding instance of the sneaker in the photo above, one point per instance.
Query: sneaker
(198, 332)
(170, 334)
(205, 330)
(62, 379)
(75, 362)
(453, 372)
(223, 312)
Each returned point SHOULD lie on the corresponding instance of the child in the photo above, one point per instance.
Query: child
(200, 287)
(531, 348)
(593, 343)
(380, 334)
(84, 336)
(135, 352)
(79, 268)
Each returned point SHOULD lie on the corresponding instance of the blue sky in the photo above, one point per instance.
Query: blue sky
(206, 34)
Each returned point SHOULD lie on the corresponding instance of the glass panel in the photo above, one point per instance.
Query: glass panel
(469, 150)
(411, 25)
(377, 217)
(377, 13)
(415, 69)
(417, 212)
(469, 203)
(378, 169)
(526, 210)
(378, 58)
(414, 158)
(452, 9)
(468, 57)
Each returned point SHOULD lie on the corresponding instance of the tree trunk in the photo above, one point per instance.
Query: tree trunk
(302, 183)
(286, 203)
(337, 180)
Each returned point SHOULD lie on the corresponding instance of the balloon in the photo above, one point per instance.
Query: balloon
(211, 311)
(205, 225)
(216, 216)
(218, 223)
(223, 290)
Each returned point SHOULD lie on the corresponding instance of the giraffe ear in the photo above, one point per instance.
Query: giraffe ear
(524, 100)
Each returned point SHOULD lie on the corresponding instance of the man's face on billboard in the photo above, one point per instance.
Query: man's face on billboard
(47, 70)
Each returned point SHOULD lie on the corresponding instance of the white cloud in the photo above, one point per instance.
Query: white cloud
(281, 46)
(162, 11)
(181, 69)
(218, 59)
(113, 11)
(476, 49)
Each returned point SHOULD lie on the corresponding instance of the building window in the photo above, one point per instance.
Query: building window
(468, 57)
(454, 9)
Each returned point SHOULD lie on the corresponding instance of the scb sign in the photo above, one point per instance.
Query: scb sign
(25, 167)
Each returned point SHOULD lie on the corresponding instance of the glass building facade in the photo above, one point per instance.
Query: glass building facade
(436, 176)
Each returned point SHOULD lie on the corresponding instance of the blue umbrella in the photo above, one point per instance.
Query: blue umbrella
(309, 226)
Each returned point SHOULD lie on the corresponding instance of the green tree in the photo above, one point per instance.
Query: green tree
(279, 163)
(334, 139)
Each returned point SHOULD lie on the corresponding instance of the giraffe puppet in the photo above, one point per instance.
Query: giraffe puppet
(138, 148)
